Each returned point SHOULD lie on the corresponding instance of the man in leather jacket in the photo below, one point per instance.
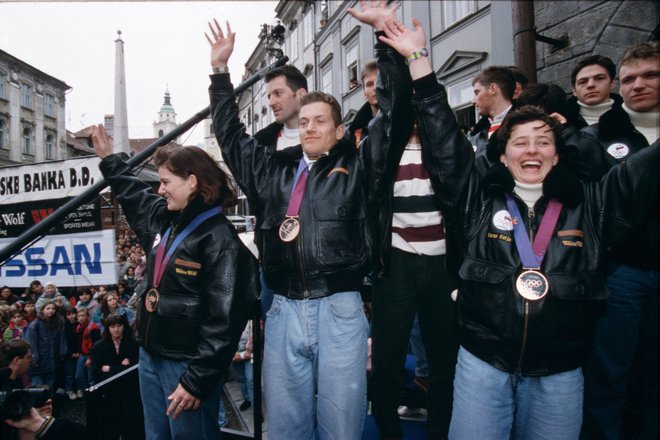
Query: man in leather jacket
(628, 332)
(316, 332)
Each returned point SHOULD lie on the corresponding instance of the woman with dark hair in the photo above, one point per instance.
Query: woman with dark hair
(116, 351)
(528, 243)
(110, 306)
(48, 342)
(201, 283)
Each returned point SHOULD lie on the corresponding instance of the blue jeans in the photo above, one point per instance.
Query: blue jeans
(244, 375)
(159, 377)
(84, 376)
(628, 330)
(70, 374)
(42, 379)
(493, 404)
(315, 361)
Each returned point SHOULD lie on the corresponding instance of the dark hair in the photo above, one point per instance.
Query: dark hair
(293, 77)
(52, 322)
(600, 60)
(17, 312)
(84, 290)
(313, 97)
(550, 98)
(650, 49)
(212, 183)
(12, 349)
(370, 67)
(518, 75)
(500, 75)
(35, 283)
(524, 115)
(114, 319)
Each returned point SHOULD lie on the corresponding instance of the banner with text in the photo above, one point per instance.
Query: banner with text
(48, 180)
(82, 259)
(17, 218)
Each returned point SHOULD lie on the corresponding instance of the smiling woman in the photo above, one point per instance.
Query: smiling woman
(202, 282)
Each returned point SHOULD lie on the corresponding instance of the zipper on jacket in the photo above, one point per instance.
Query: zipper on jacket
(531, 215)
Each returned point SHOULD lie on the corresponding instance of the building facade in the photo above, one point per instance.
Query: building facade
(32, 113)
(463, 37)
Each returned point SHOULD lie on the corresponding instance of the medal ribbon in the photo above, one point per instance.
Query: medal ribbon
(299, 185)
(532, 256)
(161, 258)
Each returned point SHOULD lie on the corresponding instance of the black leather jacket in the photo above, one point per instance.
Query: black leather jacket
(207, 292)
(497, 325)
(619, 141)
(333, 250)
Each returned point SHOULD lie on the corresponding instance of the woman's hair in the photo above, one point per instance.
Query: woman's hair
(524, 115)
(114, 320)
(53, 321)
(105, 309)
(213, 185)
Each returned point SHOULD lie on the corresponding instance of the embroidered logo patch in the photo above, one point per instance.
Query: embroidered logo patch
(618, 151)
(502, 220)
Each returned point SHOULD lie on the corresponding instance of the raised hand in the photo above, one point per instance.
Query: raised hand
(102, 142)
(375, 13)
(404, 40)
(221, 46)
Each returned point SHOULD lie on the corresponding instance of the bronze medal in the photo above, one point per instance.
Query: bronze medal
(289, 229)
(532, 285)
(151, 300)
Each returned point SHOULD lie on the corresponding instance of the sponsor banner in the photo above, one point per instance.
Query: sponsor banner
(17, 218)
(83, 259)
(48, 180)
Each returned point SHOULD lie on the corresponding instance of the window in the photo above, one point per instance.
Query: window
(50, 147)
(460, 93)
(326, 79)
(456, 10)
(294, 44)
(27, 141)
(308, 33)
(352, 66)
(3, 135)
(48, 106)
(3, 78)
(26, 95)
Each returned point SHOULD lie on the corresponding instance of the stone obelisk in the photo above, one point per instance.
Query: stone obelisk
(120, 131)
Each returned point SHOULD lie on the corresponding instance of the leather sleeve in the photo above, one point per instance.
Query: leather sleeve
(627, 197)
(248, 161)
(390, 130)
(230, 290)
(145, 211)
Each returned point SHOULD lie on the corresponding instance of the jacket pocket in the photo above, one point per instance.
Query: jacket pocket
(578, 286)
(179, 318)
(484, 295)
(341, 235)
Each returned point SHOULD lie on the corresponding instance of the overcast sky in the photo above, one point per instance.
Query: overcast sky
(164, 48)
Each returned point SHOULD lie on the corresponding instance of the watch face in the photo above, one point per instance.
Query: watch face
(424, 52)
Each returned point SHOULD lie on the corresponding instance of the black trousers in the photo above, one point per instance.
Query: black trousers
(415, 284)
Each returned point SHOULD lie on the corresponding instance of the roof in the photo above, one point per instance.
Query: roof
(34, 70)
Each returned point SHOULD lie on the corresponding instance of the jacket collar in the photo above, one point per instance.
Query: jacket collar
(268, 135)
(195, 207)
(560, 183)
(615, 122)
(362, 118)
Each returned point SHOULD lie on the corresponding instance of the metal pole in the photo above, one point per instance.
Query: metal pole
(524, 37)
(40, 229)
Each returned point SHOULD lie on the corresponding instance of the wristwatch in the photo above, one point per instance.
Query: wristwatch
(423, 52)
(220, 69)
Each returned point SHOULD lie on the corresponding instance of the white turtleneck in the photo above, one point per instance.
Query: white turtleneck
(289, 137)
(646, 123)
(529, 192)
(591, 113)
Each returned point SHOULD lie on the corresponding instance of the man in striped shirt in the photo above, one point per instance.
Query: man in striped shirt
(412, 279)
